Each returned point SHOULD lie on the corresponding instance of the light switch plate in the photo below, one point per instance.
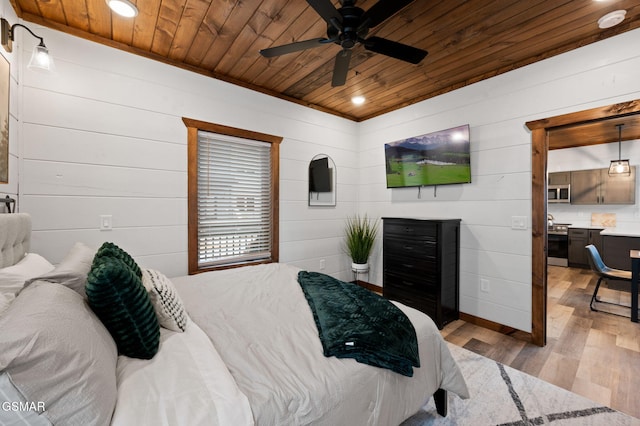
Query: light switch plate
(106, 223)
(518, 222)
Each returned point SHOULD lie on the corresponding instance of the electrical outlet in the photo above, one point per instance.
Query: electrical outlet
(484, 285)
(323, 264)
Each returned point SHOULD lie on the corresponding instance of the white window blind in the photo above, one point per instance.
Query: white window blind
(234, 200)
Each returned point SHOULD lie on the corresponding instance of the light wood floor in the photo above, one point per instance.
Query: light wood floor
(593, 354)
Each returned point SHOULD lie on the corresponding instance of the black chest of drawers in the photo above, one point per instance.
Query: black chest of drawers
(421, 265)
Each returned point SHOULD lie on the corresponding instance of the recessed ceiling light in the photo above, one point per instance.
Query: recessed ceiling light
(612, 19)
(358, 100)
(123, 8)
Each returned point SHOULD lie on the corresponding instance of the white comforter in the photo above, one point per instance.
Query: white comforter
(263, 329)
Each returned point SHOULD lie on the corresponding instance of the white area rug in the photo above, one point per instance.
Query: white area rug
(501, 395)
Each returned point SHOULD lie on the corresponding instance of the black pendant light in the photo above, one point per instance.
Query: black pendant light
(619, 167)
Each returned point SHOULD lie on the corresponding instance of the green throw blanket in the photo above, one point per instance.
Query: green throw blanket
(354, 322)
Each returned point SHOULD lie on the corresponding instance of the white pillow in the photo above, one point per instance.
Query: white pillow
(165, 300)
(72, 271)
(186, 383)
(55, 350)
(32, 416)
(12, 278)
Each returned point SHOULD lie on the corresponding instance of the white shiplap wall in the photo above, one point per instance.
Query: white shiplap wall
(497, 110)
(103, 135)
(596, 157)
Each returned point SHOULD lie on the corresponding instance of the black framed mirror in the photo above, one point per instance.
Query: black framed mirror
(322, 181)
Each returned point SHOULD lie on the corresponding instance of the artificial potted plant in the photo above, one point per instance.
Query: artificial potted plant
(360, 235)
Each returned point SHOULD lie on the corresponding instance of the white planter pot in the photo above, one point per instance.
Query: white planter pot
(360, 268)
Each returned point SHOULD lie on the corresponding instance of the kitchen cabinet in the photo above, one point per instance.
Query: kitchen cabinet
(421, 265)
(619, 189)
(615, 250)
(578, 239)
(597, 187)
(560, 178)
(585, 185)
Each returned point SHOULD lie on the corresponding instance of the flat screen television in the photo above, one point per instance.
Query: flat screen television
(320, 176)
(438, 158)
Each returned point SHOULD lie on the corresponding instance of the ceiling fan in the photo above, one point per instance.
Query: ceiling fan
(349, 26)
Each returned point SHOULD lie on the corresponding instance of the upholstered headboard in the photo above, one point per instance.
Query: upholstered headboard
(15, 237)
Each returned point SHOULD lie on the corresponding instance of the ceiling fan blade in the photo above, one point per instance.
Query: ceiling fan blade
(328, 12)
(341, 68)
(395, 50)
(381, 11)
(293, 47)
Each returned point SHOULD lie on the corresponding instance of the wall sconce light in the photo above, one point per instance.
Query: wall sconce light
(40, 58)
(7, 202)
(619, 167)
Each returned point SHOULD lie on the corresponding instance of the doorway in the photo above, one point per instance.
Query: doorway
(552, 133)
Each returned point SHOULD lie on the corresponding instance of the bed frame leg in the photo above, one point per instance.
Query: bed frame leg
(440, 398)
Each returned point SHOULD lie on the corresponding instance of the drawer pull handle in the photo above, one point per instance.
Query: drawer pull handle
(407, 283)
(408, 248)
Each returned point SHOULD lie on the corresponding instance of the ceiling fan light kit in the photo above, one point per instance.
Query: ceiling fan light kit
(348, 27)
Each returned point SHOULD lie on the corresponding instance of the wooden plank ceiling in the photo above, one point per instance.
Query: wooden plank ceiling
(467, 41)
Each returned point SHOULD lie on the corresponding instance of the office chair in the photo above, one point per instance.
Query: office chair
(604, 272)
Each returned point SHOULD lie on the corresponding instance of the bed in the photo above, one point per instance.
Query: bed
(234, 347)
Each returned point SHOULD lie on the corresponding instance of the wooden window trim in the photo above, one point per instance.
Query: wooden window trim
(192, 182)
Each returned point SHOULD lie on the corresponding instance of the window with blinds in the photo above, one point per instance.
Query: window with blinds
(234, 201)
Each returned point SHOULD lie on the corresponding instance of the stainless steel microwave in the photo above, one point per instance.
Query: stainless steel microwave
(559, 193)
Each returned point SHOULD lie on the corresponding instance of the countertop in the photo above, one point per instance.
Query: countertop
(588, 227)
(618, 231)
(622, 231)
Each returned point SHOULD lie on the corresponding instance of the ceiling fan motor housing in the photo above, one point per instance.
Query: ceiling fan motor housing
(350, 32)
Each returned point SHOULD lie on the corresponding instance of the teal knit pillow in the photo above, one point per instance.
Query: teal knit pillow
(117, 296)
(109, 249)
